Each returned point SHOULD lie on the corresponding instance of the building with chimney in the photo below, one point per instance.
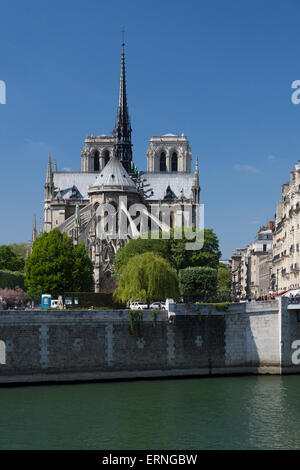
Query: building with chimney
(109, 178)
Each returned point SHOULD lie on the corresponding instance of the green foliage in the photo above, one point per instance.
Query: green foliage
(173, 250)
(198, 282)
(131, 322)
(139, 319)
(220, 306)
(56, 266)
(10, 260)
(11, 279)
(82, 271)
(20, 249)
(147, 277)
(154, 314)
(136, 317)
(139, 246)
(224, 280)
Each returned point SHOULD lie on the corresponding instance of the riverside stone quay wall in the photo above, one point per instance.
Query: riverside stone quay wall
(257, 337)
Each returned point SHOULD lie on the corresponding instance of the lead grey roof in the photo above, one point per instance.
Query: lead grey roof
(156, 182)
(159, 182)
(66, 180)
(114, 174)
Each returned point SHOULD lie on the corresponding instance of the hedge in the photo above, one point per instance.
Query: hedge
(11, 279)
(198, 283)
(87, 299)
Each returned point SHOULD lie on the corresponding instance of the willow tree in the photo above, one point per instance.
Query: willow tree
(173, 249)
(147, 277)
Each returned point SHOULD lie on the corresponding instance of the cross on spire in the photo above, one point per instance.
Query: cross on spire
(123, 36)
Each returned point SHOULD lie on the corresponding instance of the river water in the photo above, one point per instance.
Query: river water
(260, 412)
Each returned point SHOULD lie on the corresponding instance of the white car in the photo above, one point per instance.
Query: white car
(138, 306)
(54, 303)
(158, 305)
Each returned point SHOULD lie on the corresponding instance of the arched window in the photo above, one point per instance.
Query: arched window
(106, 157)
(162, 163)
(172, 219)
(96, 160)
(174, 162)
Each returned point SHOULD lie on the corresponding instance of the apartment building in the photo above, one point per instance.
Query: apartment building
(252, 266)
(286, 235)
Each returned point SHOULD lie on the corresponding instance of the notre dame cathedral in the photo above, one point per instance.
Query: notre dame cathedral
(108, 176)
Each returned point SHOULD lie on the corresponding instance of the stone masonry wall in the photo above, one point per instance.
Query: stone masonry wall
(95, 345)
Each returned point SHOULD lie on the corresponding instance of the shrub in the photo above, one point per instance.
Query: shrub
(11, 279)
(198, 283)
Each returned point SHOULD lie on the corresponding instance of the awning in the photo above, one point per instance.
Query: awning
(292, 292)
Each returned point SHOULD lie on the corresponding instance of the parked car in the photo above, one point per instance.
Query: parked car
(158, 305)
(54, 303)
(138, 306)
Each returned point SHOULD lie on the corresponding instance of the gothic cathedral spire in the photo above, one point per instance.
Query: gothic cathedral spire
(49, 180)
(196, 187)
(34, 231)
(122, 130)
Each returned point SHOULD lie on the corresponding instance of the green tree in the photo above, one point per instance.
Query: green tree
(209, 255)
(138, 246)
(9, 260)
(82, 273)
(20, 250)
(147, 277)
(56, 266)
(198, 283)
(11, 279)
(224, 280)
(173, 249)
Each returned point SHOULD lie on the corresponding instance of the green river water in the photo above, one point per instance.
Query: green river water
(261, 412)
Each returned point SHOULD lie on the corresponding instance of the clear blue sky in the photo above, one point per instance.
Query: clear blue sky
(218, 70)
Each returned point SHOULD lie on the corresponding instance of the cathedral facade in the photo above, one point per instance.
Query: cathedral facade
(78, 203)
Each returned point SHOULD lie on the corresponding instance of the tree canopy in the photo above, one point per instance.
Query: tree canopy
(11, 279)
(11, 258)
(174, 250)
(56, 266)
(147, 277)
(198, 283)
(224, 280)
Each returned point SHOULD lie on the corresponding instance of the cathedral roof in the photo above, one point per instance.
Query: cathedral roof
(114, 174)
(157, 184)
(65, 180)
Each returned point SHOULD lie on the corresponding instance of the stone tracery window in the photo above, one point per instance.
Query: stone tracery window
(106, 157)
(96, 160)
(162, 162)
(174, 162)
